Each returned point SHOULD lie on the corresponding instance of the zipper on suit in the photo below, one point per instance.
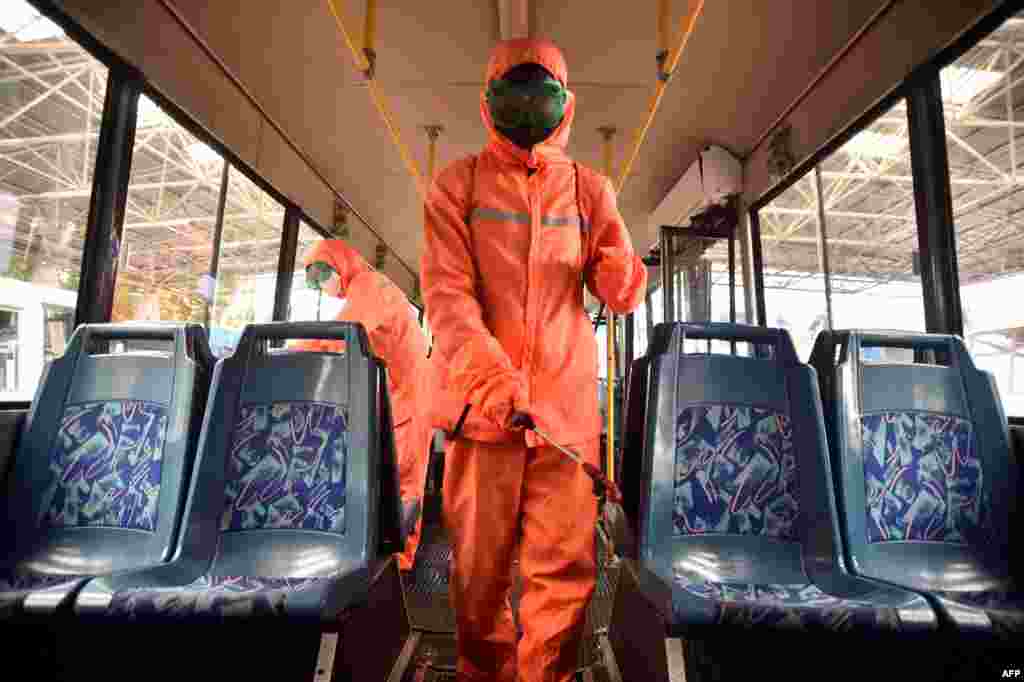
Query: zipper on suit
(532, 191)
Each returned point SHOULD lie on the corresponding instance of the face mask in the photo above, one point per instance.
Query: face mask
(532, 108)
(322, 277)
(317, 275)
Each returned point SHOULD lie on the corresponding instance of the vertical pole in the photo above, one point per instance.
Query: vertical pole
(680, 292)
(370, 28)
(667, 281)
(612, 326)
(630, 339)
(819, 199)
(755, 247)
(933, 204)
(1010, 118)
(433, 132)
(743, 227)
(218, 233)
(286, 263)
(100, 257)
(649, 310)
(732, 278)
(664, 21)
(732, 286)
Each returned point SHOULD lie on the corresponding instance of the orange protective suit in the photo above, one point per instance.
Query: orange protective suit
(506, 255)
(374, 301)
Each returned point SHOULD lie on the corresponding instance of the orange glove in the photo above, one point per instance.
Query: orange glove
(500, 396)
(614, 268)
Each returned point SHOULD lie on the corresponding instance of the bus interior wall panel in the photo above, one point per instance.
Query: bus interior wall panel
(909, 35)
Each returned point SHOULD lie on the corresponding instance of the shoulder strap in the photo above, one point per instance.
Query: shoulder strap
(583, 216)
(471, 198)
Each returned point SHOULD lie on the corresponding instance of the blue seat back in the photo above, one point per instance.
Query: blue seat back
(922, 459)
(102, 467)
(295, 472)
(734, 469)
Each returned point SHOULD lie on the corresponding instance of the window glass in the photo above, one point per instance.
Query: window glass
(869, 234)
(60, 323)
(982, 99)
(794, 288)
(51, 105)
(306, 303)
(170, 220)
(719, 257)
(247, 273)
(8, 350)
(871, 229)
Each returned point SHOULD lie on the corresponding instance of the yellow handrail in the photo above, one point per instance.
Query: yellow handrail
(363, 64)
(687, 24)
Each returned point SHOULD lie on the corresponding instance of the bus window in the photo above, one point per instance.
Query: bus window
(981, 112)
(8, 350)
(869, 235)
(52, 96)
(306, 304)
(794, 287)
(871, 229)
(249, 250)
(170, 216)
(59, 324)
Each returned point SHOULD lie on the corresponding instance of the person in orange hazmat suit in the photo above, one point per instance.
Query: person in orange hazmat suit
(511, 236)
(373, 300)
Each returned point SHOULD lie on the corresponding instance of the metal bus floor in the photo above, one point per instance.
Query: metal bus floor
(431, 613)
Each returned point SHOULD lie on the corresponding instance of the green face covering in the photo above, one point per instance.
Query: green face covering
(534, 107)
(317, 275)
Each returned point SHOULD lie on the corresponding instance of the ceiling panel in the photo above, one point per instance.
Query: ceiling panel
(745, 62)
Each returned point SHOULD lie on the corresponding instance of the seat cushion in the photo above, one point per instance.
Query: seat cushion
(802, 607)
(216, 597)
(106, 463)
(1004, 608)
(923, 479)
(735, 472)
(15, 588)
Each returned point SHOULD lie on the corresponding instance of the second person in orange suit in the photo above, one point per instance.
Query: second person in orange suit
(374, 301)
(511, 236)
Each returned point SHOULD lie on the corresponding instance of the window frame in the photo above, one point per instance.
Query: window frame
(931, 181)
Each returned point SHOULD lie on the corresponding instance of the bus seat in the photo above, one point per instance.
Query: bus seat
(294, 510)
(101, 471)
(924, 472)
(734, 508)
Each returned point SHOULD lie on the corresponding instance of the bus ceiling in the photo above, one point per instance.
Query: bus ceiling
(746, 69)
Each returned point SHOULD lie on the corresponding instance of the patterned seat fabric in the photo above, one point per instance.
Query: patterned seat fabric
(106, 465)
(215, 597)
(801, 607)
(287, 468)
(923, 479)
(735, 472)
